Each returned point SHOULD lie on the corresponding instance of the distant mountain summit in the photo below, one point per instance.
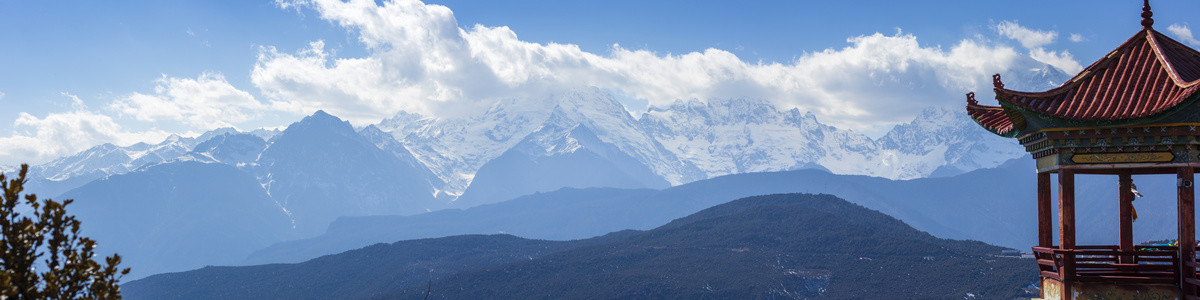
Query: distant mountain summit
(320, 168)
(561, 154)
(1030, 75)
(236, 149)
(942, 142)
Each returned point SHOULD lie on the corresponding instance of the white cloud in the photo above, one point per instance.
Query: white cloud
(1183, 33)
(1, 95)
(1036, 40)
(76, 103)
(1028, 38)
(1061, 60)
(206, 102)
(1075, 37)
(37, 140)
(421, 61)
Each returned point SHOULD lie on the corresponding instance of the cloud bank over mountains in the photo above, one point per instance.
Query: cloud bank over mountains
(419, 59)
(60, 134)
(206, 102)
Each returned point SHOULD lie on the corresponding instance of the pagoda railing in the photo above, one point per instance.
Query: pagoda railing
(1192, 266)
(1144, 265)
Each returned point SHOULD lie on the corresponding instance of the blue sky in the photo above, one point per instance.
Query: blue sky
(78, 73)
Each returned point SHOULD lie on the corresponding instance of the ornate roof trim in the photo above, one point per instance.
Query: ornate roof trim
(992, 118)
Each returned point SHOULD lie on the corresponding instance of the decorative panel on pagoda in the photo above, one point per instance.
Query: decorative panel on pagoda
(1162, 145)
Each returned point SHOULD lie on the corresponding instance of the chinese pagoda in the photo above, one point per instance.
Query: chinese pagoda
(1134, 111)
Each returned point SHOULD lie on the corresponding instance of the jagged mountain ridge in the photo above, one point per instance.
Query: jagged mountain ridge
(560, 154)
(456, 148)
(692, 140)
(65, 173)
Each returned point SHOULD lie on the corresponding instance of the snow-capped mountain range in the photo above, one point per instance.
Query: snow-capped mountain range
(679, 143)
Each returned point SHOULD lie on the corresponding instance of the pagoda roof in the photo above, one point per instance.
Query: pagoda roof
(1147, 75)
(991, 118)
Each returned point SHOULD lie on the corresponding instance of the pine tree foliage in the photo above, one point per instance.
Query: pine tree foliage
(43, 256)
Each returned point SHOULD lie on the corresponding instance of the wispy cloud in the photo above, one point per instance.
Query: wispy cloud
(1063, 60)
(1036, 40)
(1077, 38)
(76, 103)
(1028, 38)
(1183, 33)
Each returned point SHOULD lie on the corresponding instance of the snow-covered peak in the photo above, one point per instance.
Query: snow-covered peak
(231, 148)
(1033, 76)
(456, 147)
(215, 132)
(320, 119)
(739, 135)
(932, 124)
(112, 159)
(555, 138)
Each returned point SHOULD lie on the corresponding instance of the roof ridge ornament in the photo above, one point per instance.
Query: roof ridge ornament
(1147, 21)
(996, 81)
(971, 99)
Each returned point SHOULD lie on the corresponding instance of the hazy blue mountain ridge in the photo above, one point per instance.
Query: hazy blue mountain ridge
(995, 205)
(564, 214)
(777, 246)
(179, 216)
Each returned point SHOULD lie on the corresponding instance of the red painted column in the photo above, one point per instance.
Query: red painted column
(1125, 217)
(1044, 209)
(1066, 208)
(1045, 220)
(1187, 229)
(1066, 225)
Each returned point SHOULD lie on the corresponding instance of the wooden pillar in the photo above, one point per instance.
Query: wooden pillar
(1044, 211)
(1066, 226)
(1066, 208)
(1187, 229)
(1125, 217)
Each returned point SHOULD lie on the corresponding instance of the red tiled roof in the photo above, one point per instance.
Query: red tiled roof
(1148, 74)
(991, 118)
